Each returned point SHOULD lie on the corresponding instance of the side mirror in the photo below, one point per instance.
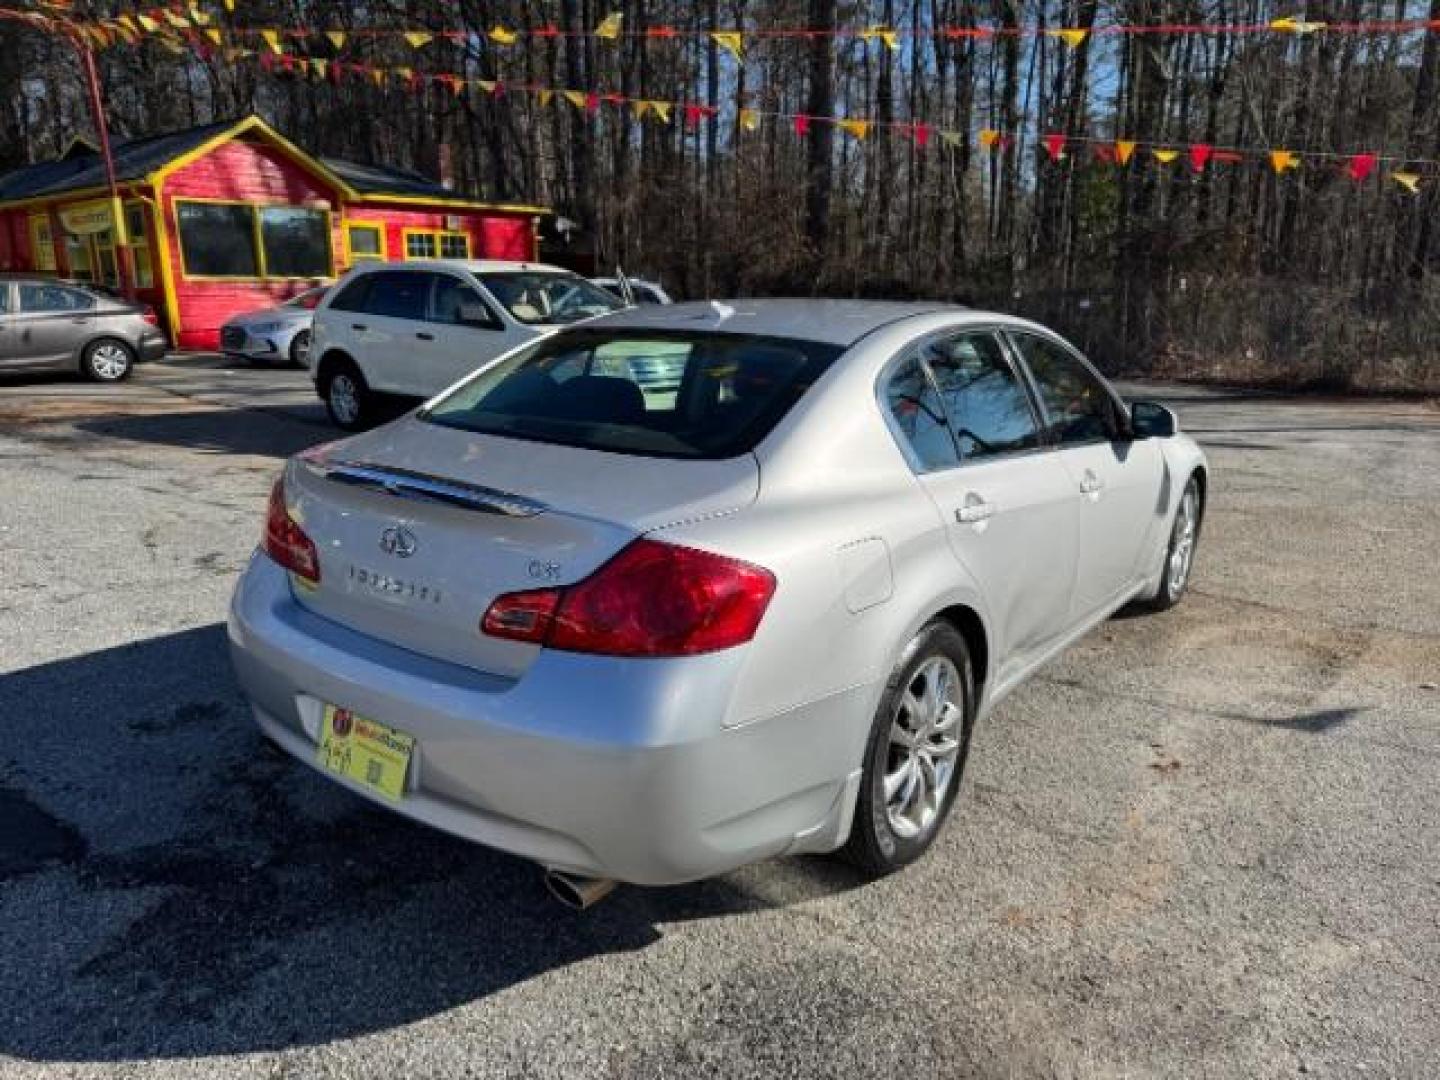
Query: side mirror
(1151, 421)
(474, 313)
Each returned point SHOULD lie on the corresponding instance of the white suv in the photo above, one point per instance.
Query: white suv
(412, 329)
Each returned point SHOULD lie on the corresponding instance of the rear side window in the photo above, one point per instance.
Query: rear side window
(454, 300)
(401, 295)
(1078, 407)
(920, 416)
(669, 394)
(351, 297)
(45, 297)
(988, 408)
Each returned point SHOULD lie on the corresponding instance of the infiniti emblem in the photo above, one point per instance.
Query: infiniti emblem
(398, 541)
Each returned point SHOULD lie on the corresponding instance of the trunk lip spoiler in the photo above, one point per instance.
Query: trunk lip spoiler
(408, 484)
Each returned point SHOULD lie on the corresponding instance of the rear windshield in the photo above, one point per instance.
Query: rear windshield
(540, 297)
(680, 394)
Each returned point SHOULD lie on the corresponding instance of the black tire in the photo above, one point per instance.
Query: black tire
(875, 846)
(107, 360)
(299, 348)
(352, 411)
(1169, 594)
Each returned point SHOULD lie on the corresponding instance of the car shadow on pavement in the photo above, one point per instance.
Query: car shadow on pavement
(181, 889)
(262, 432)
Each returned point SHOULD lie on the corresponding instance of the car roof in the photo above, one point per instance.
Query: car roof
(834, 322)
(474, 266)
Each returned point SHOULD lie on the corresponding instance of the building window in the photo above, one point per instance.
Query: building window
(78, 257)
(42, 243)
(296, 241)
(217, 239)
(420, 245)
(139, 238)
(429, 243)
(365, 241)
(107, 270)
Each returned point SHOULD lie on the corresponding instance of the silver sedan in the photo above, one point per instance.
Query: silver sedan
(653, 637)
(276, 333)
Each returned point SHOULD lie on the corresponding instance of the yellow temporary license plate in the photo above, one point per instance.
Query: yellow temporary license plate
(366, 752)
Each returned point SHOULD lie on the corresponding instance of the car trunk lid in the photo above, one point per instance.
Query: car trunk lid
(420, 527)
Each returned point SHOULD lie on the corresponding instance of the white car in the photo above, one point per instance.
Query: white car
(276, 333)
(412, 329)
(644, 292)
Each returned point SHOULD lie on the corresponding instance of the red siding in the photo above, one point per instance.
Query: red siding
(494, 234)
(245, 172)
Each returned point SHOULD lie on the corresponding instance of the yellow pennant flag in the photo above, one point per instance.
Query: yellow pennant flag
(1281, 160)
(147, 24)
(661, 109)
(640, 108)
(272, 38)
(320, 67)
(171, 44)
(176, 20)
(732, 41)
(609, 27)
(882, 33)
(418, 38)
(337, 38)
(1290, 25)
(404, 74)
(749, 119)
(575, 97)
(213, 35)
(546, 96)
(230, 5)
(198, 17)
(503, 35)
(377, 76)
(954, 138)
(1165, 157)
(989, 138)
(1124, 150)
(487, 86)
(1073, 38)
(857, 128)
(1408, 180)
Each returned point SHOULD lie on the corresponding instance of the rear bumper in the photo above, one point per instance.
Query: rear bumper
(153, 346)
(598, 766)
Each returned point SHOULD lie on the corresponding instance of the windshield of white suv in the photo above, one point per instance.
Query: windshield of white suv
(539, 297)
(658, 393)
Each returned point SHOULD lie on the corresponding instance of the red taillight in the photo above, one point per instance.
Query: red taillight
(148, 314)
(286, 542)
(652, 599)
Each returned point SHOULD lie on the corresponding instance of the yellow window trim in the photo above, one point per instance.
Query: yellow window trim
(50, 264)
(254, 206)
(436, 234)
(362, 223)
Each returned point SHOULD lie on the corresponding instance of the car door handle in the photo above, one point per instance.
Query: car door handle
(975, 510)
(1090, 484)
(358, 326)
(423, 336)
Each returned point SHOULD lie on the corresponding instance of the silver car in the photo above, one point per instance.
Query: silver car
(49, 325)
(276, 333)
(654, 639)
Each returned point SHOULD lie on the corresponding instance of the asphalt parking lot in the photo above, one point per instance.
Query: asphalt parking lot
(1205, 843)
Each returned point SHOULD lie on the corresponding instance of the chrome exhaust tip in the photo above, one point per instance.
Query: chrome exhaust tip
(577, 892)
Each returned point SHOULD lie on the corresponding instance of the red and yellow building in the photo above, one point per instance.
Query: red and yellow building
(230, 217)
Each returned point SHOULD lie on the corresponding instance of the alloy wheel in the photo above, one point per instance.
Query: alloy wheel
(1182, 542)
(344, 398)
(109, 361)
(925, 734)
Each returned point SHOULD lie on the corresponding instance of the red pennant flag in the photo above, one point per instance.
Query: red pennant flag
(662, 32)
(1055, 146)
(592, 102)
(693, 113)
(267, 61)
(549, 30)
(802, 125)
(1200, 153)
(920, 133)
(1361, 166)
(498, 90)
